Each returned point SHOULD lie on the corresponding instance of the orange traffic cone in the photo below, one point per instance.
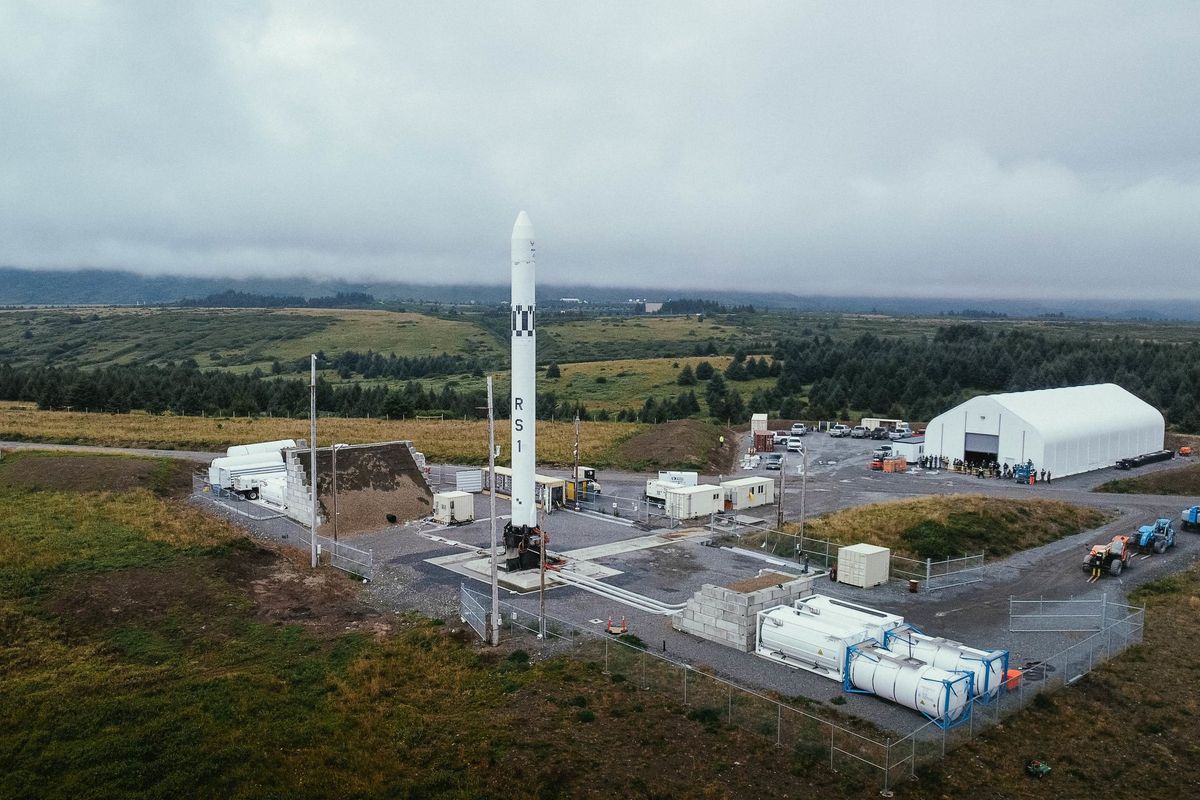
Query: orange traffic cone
(608, 627)
(624, 627)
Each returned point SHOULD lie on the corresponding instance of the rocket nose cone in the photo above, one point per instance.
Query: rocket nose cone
(523, 228)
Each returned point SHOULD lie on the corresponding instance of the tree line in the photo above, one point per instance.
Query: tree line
(236, 299)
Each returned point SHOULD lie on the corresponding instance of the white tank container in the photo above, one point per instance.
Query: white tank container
(222, 471)
(875, 623)
(802, 639)
(988, 667)
(939, 694)
(259, 447)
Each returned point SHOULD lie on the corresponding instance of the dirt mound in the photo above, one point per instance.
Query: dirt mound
(96, 473)
(681, 444)
(325, 602)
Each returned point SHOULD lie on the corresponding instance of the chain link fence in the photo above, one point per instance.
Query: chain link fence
(804, 739)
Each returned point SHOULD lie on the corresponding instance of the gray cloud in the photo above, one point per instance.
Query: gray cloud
(995, 149)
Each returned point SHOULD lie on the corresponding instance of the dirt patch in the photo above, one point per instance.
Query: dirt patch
(681, 444)
(326, 602)
(761, 582)
(97, 473)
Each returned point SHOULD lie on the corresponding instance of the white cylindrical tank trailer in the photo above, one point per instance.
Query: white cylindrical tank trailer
(875, 624)
(940, 694)
(988, 667)
(799, 638)
(259, 447)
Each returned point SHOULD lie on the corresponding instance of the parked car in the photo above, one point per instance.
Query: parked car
(773, 461)
(894, 435)
(839, 430)
(879, 433)
(858, 432)
(795, 444)
(799, 429)
(781, 437)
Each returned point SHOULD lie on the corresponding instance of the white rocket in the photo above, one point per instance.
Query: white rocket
(524, 378)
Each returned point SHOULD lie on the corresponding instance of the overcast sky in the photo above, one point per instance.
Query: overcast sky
(967, 149)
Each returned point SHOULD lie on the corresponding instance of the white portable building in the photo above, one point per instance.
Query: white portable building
(758, 422)
(748, 493)
(689, 502)
(910, 448)
(863, 565)
(1065, 431)
(452, 507)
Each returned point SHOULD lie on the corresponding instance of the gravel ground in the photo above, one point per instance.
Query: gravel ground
(976, 614)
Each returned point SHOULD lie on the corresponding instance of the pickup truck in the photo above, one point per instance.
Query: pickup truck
(839, 430)
(858, 432)
(781, 437)
(799, 429)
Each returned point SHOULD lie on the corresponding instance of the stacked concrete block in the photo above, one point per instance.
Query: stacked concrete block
(728, 617)
(299, 493)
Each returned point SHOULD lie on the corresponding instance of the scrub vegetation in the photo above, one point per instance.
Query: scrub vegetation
(1182, 481)
(954, 525)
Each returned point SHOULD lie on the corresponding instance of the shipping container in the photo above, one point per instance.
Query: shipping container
(863, 565)
(743, 493)
(689, 502)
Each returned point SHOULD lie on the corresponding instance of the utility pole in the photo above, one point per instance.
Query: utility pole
(803, 491)
(575, 474)
(312, 450)
(494, 633)
(333, 454)
(782, 487)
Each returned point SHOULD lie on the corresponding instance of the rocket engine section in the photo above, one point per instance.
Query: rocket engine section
(522, 537)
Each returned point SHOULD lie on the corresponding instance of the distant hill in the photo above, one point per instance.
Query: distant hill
(114, 287)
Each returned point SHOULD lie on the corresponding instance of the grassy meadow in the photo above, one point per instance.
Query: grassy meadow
(448, 441)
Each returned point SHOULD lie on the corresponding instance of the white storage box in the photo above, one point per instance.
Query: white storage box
(453, 507)
(863, 565)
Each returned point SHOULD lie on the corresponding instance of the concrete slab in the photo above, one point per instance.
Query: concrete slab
(610, 549)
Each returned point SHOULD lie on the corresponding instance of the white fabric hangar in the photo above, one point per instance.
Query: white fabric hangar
(1066, 431)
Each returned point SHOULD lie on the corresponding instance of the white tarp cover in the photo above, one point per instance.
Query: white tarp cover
(1066, 431)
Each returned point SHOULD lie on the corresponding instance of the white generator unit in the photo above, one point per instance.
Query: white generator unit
(656, 488)
(453, 508)
(941, 695)
(803, 639)
(260, 447)
(874, 623)
(863, 565)
(741, 493)
(690, 502)
(988, 667)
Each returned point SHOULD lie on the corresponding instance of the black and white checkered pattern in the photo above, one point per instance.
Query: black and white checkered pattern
(524, 320)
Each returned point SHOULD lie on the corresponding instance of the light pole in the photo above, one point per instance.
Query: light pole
(312, 450)
(494, 633)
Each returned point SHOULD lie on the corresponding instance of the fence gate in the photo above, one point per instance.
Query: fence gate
(472, 611)
(1046, 615)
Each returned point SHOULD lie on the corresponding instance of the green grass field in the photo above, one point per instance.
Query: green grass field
(1182, 481)
(236, 339)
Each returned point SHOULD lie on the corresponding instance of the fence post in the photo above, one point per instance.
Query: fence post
(1103, 610)
(778, 724)
(730, 703)
(928, 571)
(644, 685)
(685, 672)
(605, 656)
(887, 768)
(912, 761)
(832, 727)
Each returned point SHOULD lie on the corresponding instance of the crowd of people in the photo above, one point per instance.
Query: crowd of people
(989, 469)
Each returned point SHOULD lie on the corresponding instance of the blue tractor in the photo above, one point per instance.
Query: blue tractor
(1155, 538)
(1190, 518)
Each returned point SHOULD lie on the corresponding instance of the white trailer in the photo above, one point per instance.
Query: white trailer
(656, 488)
(871, 423)
(245, 474)
(260, 447)
(453, 508)
(912, 448)
(690, 502)
(743, 493)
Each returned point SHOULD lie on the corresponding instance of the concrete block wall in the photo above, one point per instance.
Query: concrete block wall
(728, 617)
(299, 493)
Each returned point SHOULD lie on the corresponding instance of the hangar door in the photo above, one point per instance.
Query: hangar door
(981, 447)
